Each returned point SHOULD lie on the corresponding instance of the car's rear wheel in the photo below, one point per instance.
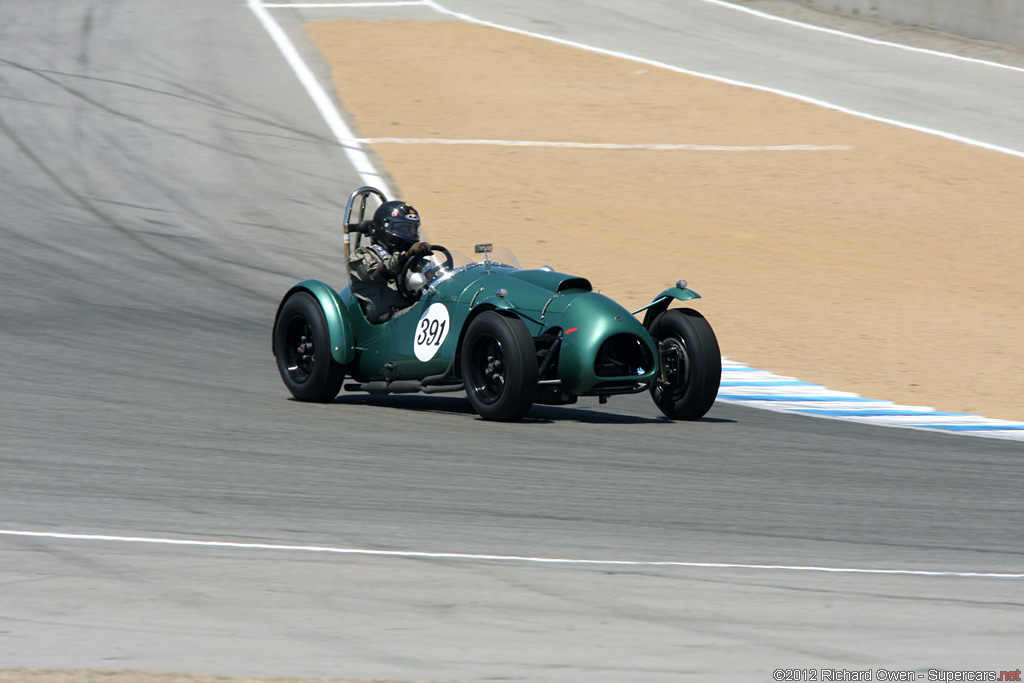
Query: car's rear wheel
(499, 367)
(302, 345)
(690, 364)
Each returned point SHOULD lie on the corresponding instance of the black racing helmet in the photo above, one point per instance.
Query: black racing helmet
(396, 225)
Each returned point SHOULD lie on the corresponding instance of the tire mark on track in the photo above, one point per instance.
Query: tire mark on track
(51, 76)
(108, 220)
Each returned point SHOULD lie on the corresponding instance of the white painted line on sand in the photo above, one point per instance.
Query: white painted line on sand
(498, 558)
(663, 65)
(353, 148)
(339, 5)
(605, 145)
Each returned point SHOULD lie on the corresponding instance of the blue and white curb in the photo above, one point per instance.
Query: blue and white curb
(744, 385)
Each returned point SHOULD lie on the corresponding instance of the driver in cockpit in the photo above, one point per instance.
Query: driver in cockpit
(395, 234)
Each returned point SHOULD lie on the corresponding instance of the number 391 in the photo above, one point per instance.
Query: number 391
(431, 332)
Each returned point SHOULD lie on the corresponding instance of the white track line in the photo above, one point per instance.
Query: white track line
(854, 36)
(605, 145)
(498, 558)
(662, 65)
(351, 143)
(353, 148)
(725, 4)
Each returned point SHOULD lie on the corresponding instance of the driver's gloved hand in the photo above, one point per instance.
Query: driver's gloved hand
(419, 249)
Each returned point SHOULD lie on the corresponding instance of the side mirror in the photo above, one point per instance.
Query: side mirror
(484, 249)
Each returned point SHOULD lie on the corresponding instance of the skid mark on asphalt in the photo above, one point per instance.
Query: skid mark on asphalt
(516, 559)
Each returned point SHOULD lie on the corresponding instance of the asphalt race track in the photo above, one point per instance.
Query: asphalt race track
(165, 178)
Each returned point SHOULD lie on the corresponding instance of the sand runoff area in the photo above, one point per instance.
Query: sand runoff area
(839, 250)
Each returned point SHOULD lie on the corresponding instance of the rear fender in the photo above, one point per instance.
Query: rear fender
(338, 325)
(662, 301)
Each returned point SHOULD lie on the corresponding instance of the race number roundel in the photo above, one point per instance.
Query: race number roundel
(431, 331)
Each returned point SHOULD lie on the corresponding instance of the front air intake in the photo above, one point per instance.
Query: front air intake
(622, 355)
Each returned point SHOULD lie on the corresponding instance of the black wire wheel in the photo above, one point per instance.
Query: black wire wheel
(690, 364)
(302, 345)
(499, 367)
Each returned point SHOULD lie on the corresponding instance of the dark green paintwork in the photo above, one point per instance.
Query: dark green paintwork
(338, 325)
(594, 318)
(661, 302)
(584, 318)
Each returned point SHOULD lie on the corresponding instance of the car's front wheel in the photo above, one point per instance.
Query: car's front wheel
(690, 364)
(499, 367)
(302, 345)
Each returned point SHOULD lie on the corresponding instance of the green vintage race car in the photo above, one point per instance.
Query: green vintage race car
(506, 336)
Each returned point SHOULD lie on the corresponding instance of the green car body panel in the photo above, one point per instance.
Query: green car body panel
(589, 321)
(550, 303)
(332, 304)
(661, 302)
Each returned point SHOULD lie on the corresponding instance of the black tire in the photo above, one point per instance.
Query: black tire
(499, 367)
(691, 364)
(302, 345)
